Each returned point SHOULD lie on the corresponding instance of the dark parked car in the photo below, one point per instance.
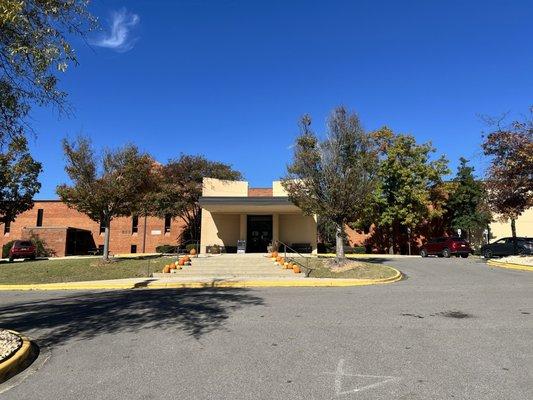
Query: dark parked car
(508, 247)
(22, 249)
(446, 247)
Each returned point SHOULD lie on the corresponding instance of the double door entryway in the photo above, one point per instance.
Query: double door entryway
(259, 233)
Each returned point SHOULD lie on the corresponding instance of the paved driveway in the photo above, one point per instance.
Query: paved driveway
(454, 329)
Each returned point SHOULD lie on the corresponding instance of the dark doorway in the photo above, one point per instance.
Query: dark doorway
(259, 234)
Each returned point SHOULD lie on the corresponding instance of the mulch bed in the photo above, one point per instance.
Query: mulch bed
(9, 344)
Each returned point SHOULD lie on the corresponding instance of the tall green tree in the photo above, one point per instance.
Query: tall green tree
(466, 206)
(34, 50)
(114, 185)
(409, 182)
(510, 174)
(180, 189)
(334, 177)
(18, 179)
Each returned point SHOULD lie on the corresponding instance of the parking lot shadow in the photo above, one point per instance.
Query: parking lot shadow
(84, 316)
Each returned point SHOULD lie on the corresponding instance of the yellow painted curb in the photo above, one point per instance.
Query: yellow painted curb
(518, 267)
(303, 282)
(68, 286)
(10, 365)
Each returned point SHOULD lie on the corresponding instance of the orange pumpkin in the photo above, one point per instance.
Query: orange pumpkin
(192, 252)
(296, 269)
(274, 254)
(278, 258)
(172, 266)
(166, 270)
(181, 261)
(187, 258)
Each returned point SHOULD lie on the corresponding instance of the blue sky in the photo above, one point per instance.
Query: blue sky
(230, 79)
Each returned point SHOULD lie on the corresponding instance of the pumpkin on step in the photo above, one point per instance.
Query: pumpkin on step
(274, 254)
(172, 266)
(166, 270)
(181, 261)
(192, 252)
(296, 269)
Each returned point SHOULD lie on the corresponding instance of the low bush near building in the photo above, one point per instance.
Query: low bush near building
(6, 247)
(191, 246)
(166, 248)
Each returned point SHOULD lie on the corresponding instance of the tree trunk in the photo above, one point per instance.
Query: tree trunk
(513, 232)
(106, 243)
(391, 240)
(513, 228)
(339, 240)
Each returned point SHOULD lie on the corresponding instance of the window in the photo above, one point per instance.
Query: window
(133, 248)
(40, 213)
(102, 227)
(7, 227)
(168, 220)
(134, 224)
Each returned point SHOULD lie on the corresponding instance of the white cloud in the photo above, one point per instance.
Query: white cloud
(119, 36)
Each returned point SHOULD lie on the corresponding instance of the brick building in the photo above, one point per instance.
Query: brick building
(69, 232)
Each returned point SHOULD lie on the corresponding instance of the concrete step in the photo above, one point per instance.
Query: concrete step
(227, 276)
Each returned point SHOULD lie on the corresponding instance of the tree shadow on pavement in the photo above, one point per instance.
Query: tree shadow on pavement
(84, 316)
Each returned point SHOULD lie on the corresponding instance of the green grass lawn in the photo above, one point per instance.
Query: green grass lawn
(73, 270)
(364, 270)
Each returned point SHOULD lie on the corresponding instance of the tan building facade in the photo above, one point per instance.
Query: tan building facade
(69, 232)
(524, 226)
(233, 212)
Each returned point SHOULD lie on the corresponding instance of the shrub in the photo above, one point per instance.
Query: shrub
(191, 246)
(166, 248)
(6, 247)
(359, 250)
(40, 247)
(215, 249)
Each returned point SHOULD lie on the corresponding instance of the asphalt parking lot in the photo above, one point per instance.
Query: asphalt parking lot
(454, 329)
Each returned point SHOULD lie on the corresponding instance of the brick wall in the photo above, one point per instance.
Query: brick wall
(55, 238)
(57, 215)
(260, 192)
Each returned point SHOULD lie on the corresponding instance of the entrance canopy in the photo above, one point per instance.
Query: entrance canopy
(232, 212)
(249, 205)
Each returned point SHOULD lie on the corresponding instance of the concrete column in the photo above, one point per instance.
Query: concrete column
(242, 227)
(275, 227)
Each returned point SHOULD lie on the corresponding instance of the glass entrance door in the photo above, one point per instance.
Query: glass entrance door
(259, 233)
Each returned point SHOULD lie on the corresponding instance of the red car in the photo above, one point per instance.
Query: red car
(446, 247)
(22, 249)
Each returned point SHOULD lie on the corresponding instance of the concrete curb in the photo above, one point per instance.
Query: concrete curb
(10, 366)
(109, 285)
(517, 267)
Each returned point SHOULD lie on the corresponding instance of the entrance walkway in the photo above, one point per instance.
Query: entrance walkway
(231, 266)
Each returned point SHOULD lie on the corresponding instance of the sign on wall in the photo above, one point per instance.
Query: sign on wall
(241, 246)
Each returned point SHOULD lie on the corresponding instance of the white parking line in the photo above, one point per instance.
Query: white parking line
(340, 376)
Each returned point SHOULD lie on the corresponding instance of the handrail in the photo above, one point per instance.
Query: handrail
(307, 268)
